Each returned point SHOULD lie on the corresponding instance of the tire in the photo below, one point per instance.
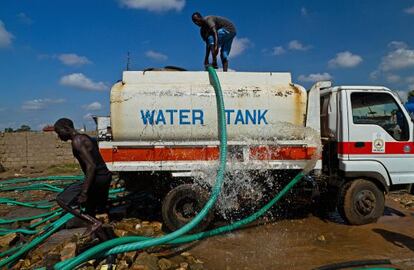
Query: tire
(360, 202)
(182, 204)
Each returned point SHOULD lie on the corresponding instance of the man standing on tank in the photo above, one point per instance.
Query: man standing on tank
(85, 198)
(216, 32)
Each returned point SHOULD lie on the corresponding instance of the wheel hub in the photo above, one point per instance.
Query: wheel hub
(186, 208)
(365, 202)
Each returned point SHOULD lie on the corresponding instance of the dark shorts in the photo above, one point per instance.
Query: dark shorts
(97, 195)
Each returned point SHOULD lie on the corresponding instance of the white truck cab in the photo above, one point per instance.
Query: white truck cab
(368, 147)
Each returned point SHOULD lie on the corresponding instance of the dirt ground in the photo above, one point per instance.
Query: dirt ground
(311, 242)
(305, 242)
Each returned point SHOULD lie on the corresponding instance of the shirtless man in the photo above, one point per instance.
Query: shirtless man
(84, 199)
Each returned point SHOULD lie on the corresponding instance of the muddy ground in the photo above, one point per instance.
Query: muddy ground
(310, 242)
(303, 241)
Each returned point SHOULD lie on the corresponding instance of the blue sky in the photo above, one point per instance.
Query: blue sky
(61, 58)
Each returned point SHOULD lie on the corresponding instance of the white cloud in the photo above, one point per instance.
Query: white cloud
(409, 10)
(154, 5)
(39, 104)
(94, 106)
(79, 80)
(392, 78)
(295, 45)
(410, 81)
(304, 11)
(239, 45)
(41, 126)
(403, 95)
(278, 50)
(72, 59)
(157, 56)
(5, 36)
(374, 75)
(399, 58)
(315, 77)
(345, 59)
(88, 116)
(23, 18)
(397, 45)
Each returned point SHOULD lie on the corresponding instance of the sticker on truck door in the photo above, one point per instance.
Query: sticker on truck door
(378, 143)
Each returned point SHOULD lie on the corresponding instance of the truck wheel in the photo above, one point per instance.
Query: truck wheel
(360, 202)
(182, 204)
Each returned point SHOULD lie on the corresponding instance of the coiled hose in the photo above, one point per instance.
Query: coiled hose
(40, 228)
(48, 231)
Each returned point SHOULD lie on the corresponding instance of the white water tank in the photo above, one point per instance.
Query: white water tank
(181, 106)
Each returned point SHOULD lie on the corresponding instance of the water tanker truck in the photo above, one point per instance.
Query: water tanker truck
(162, 135)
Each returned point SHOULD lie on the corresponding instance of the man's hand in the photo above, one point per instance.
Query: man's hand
(214, 63)
(82, 198)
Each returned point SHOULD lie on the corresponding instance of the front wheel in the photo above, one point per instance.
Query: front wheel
(182, 204)
(360, 202)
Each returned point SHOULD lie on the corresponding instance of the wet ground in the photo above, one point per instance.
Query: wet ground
(311, 242)
(305, 242)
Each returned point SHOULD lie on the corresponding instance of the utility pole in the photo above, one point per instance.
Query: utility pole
(128, 61)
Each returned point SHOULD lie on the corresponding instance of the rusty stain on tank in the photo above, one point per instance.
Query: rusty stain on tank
(299, 112)
(116, 100)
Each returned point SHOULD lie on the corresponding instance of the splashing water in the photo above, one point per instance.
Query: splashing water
(250, 184)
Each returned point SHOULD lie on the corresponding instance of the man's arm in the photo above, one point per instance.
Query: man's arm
(213, 29)
(83, 146)
(215, 48)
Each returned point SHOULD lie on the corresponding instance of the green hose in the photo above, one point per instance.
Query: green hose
(126, 244)
(25, 204)
(47, 232)
(11, 250)
(20, 230)
(37, 187)
(52, 216)
(43, 178)
(31, 229)
(9, 221)
(222, 132)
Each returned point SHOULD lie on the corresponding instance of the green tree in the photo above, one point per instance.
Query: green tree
(8, 130)
(410, 94)
(24, 128)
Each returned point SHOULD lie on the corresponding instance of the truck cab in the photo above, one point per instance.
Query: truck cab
(367, 136)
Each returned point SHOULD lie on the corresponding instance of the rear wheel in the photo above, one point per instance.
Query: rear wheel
(182, 204)
(360, 202)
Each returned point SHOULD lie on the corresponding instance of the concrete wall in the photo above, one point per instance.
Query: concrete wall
(33, 149)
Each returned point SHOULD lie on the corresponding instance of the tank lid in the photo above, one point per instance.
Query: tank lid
(191, 77)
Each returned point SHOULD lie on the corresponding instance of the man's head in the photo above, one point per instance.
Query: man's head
(64, 128)
(197, 18)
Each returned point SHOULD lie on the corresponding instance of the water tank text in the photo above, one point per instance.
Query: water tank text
(196, 117)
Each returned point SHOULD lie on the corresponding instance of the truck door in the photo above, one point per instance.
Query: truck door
(380, 130)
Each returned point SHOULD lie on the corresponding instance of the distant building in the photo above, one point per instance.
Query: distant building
(48, 129)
